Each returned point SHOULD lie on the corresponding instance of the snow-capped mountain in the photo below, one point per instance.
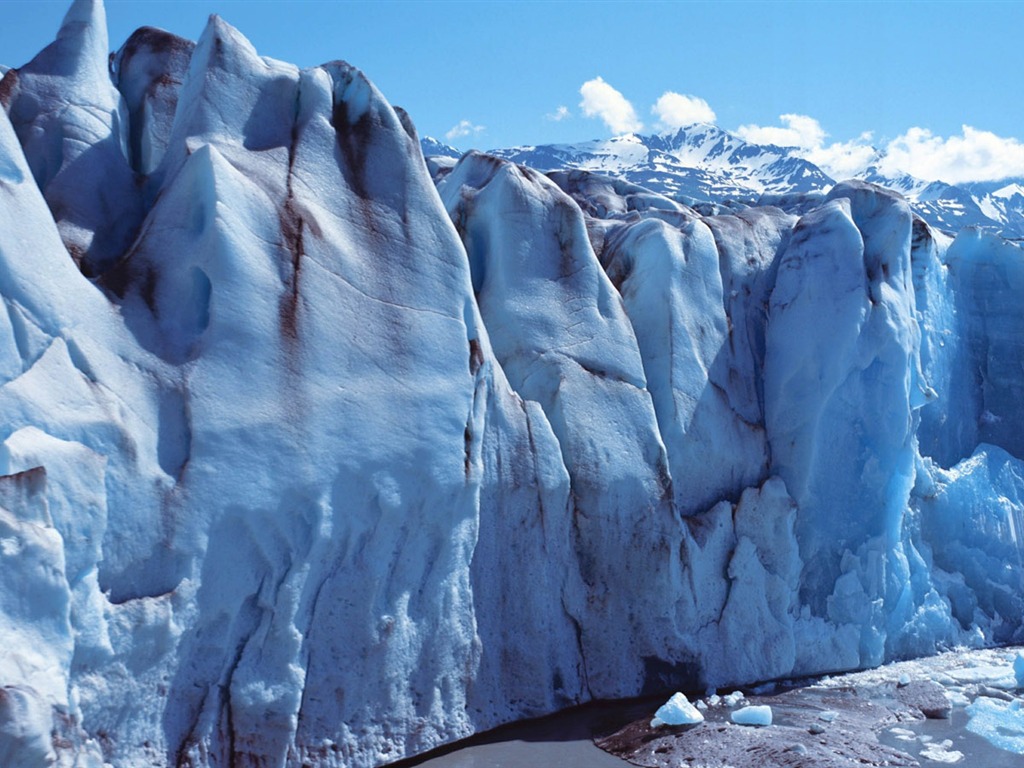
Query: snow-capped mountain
(434, 148)
(312, 454)
(703, 163)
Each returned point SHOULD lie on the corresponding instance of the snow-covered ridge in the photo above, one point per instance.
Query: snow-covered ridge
(700, 163)
(308, 461)
(705, 164)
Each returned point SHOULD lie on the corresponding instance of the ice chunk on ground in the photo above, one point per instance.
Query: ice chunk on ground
(733, 699)
(1018, 669)
(677, 711)
(760, 715)
(1001, 725)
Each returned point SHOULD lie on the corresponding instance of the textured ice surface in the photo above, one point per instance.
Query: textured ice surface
(308, 460)
(998, 722)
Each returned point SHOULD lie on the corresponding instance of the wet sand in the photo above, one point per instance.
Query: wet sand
(811, 728)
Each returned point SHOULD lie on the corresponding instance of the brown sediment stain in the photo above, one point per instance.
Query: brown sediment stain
(407, 125)
(155, 40)
(122, 277)
(614, 260)
(920, 232)
(78, 256)
(29, 479)
(467, 437)
(565, 212)
(147, 289)
(535, 479)
(665, 478)
(476, 356)
(7, 85)
(353, 138)
(292, 226)
(172, 54)
(490, 162)
(24, 494)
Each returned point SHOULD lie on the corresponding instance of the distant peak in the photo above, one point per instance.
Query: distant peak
(692, 128)
(1010, 190)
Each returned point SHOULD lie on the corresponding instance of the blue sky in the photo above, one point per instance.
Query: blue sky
(505, 69)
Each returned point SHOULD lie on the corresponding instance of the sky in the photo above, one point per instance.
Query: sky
(936, 84)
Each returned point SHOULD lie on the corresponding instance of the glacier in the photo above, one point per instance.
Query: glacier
(316, 452)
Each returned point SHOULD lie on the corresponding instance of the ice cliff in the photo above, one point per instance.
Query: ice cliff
(308, 461)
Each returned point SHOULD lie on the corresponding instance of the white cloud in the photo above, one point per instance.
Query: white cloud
(974, 155)
(844, 159)
(559, 114)
(464, 128)
(676, 110)
(799, 131)
(840, 159)
(603, 101)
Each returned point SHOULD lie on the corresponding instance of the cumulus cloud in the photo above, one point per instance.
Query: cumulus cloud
(839, 159)
(676, 110)
(844, 159)
(559, 114)
(463, 128)
(603, 101)
(797, 131)
(974, 155)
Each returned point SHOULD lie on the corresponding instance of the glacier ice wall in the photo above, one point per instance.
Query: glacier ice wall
(308, 461)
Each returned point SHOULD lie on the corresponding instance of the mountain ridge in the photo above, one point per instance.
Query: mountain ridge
(705, 164)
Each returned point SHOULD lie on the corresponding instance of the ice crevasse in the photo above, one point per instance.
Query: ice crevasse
(310, 458)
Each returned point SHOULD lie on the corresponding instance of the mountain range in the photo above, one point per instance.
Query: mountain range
(703, 164)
